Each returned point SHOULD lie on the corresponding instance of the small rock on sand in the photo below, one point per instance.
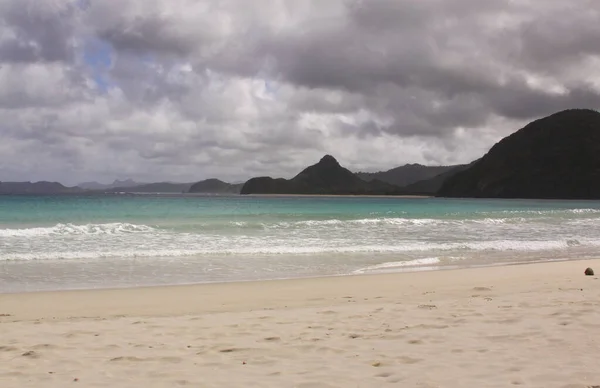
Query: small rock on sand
(589, 272)
(30, 354)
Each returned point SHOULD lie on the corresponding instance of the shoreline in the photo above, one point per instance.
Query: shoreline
(174, 194)
(401, 270)
(337, 195)
(44, 299)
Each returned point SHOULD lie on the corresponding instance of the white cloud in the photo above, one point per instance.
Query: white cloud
(186, 90)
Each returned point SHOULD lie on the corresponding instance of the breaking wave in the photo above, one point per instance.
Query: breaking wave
(72, 229)
(152, 247)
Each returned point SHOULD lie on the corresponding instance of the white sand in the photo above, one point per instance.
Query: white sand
(531, 325)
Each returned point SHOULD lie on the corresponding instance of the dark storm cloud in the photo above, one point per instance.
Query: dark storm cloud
(465, 60)
(36, 32)
(449, 49)
(147, 36)
(528, 103)
(146, 81)
(446, 53)
(550, 41)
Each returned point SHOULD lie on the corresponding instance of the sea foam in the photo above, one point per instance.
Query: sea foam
(395, 265)
(73, 229)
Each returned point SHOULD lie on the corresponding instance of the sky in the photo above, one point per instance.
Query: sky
(184, 90)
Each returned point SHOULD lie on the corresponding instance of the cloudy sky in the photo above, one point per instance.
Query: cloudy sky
(184, 90)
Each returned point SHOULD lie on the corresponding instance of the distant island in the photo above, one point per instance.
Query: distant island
(215, 186)
(208, 186)
(325, 177)
(555, 157)
(127, 183)
(406, 175)
(156, 187)
(42, 187)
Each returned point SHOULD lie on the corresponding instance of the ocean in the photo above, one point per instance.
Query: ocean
(81, 242)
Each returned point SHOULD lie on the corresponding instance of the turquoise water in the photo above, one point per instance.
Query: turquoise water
(63, 242)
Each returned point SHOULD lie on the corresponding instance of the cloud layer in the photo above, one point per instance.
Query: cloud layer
(185, 90)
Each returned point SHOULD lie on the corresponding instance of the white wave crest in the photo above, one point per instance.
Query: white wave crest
(364, 221)
(395, 265)
(72, 229)
(546, 212)
(393, 222)
(585, 211)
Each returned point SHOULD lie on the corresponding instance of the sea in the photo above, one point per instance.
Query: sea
(106, 241)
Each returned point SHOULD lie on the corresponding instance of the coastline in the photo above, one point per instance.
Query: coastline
(336, 195)
(241, 295)
(490, 326)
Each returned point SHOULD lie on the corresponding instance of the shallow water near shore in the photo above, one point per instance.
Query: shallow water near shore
(67, 242)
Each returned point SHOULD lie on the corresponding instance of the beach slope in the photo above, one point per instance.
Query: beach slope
(525, 325)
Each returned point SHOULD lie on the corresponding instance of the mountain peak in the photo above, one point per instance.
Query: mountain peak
(325, 177)
(328, 159)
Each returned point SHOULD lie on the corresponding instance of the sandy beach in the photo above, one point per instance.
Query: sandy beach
(531, 325)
